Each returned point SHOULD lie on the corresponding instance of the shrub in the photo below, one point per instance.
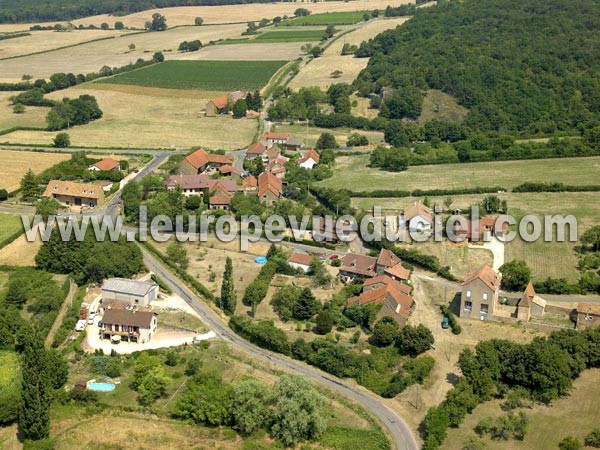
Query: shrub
(62, 140)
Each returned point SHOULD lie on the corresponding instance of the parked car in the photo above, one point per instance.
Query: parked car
(90, 320)
(80, 326)
(445, 322)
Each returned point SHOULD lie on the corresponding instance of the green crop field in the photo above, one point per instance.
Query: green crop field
(290, 36)
(201, 75)
(332, 18)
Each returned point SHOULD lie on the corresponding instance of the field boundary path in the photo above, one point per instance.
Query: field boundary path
(61, 314)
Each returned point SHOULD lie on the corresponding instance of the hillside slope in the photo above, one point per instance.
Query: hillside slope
(529, 66)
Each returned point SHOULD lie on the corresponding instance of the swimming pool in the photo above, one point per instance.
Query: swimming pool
(260, 260)
(101, 387)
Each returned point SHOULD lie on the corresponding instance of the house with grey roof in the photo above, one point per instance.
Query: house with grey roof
(129, 292)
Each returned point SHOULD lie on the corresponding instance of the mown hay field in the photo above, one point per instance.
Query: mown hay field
(40, 41)
(16, 163)
(90, 57)
(201, 75)
(234, 13)
(318, 71)
(352, 173)
(32, 117)
(140, 117)
(246, 50)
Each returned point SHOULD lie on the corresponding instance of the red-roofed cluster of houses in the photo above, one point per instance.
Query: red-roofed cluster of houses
(385, 281)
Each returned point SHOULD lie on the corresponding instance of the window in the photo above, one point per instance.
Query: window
(468, 294)
(468, 306)
(484, 308)
(485, 296)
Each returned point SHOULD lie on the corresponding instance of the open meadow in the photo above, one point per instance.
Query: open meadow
(40, 41)
(574, 415)
(311, 134)
(440, 106)
(32, 117)
(114, 52)
(318, 71)
(147, 118)
(351, 172)
(201, 75)
(233, 13)
(16, 163)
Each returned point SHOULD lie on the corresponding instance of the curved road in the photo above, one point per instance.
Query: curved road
(400, 432)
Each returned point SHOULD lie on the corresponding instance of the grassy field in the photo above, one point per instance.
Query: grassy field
(318, 71)
(574, 415)
(247, 50)
(9, 225)
(90, 57)
(441, 106)
(16, 163)
(32, 117)
(291, 36)
(352, 173)
(201, 75)
(143, 117)
(540, 256)
(332, 18)
(311, 134)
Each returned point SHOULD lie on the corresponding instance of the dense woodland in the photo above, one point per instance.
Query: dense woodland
(524, 67)
(15, 11)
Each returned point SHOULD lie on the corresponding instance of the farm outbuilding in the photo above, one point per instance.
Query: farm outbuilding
(129, 292)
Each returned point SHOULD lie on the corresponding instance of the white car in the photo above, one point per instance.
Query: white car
(90, 320)
(80, 326)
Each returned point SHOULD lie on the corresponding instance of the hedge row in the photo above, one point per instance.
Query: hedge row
(256, 291)
(24, 86)
(7, 240)
(429, 262)
(263, 333)
(71, 317)
(195, 284)
(425, 192)
(555, 187)
(4, 37)
(454, 325)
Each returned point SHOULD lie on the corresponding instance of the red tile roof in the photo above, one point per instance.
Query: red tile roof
(359, 264)
(485, 274)
(391, 294)
(249, 182)
(276, 136)
(268, 182)
(106, 164)
(417, 209)
(387, 258)
(308, 155)
(220, 102)
(72, 189)
(219, 200)
(258, 148)
(398, 271)
(142, 319)
(200, 158)
(300, 258)
(384, 280)
(228, 168)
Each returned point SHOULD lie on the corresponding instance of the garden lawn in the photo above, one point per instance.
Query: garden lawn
(9, 225)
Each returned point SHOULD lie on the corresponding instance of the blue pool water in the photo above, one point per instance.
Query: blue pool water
(102, 387)
(260, 260)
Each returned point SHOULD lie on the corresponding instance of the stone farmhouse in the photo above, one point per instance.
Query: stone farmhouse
(479, 294)
(75, 195)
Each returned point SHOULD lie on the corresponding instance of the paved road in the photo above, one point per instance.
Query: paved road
(400, 432)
